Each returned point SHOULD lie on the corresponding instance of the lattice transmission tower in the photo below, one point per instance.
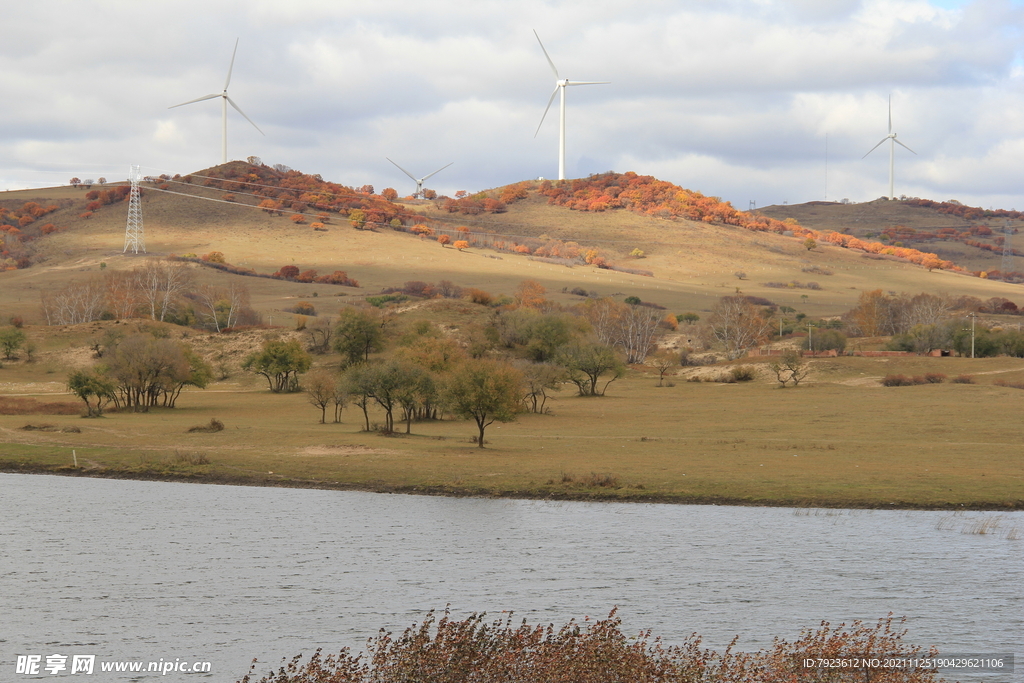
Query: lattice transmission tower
(1007, 264)
(134, 240)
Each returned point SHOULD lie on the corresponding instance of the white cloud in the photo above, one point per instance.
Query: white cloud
(734, 98)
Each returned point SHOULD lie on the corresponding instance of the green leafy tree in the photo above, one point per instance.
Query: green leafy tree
(538, 380)
(586, 362)
(357, 384)
(93, 388)
(486, 391)
(394, 384)
(320, 386)
(825, 340)
(358, 334)
(200, 374)
(11, 339)
(281, 363)
(147, 369)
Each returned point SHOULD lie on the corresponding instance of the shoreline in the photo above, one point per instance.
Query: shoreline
(280, 481)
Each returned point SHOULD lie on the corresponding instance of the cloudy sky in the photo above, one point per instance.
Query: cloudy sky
(735, 98)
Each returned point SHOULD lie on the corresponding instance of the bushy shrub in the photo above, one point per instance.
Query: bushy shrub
(826, 340)
(934, 377)
(742, 373)
(963, 379)
(446, 650)
(302, 308)
(379, 301)
(897, 381)
(478, 296)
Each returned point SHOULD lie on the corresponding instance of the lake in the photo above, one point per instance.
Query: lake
(165, 572)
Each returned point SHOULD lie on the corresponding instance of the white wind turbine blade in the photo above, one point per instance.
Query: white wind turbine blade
(546, 55)
(435, 172)
(587, 82)
(198, 99)
(902, 145)
(544, 115)
(405, 172)
(239, 110)
(877, 146)
(230, 68)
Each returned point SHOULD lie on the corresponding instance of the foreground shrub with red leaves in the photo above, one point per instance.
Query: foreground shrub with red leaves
(472, 650)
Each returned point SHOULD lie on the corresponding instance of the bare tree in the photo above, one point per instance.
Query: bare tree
(123, 293)
(221, 306)
(320, 333)
(637, 326)
(78, 302)
(162, 284)
(664, 360)
(791, 368)
(929, 309)
(738, 324)
(603, 315)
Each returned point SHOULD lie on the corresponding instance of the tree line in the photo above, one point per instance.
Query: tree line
(163, 291)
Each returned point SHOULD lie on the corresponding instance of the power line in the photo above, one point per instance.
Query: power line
(442, 219)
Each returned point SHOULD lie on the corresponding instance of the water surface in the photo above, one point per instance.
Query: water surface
(147, 570)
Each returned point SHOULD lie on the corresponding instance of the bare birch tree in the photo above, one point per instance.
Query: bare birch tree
(77, 302)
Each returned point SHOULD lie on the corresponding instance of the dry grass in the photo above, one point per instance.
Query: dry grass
(20, 405)
(827, 444)
(693, 262)
(930, 445)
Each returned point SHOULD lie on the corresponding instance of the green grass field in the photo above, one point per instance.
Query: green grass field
(840, 440)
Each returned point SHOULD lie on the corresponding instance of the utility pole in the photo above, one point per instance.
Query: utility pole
(973, 317)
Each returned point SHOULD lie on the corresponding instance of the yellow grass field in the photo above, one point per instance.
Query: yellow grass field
(693, 263)
(839, 440)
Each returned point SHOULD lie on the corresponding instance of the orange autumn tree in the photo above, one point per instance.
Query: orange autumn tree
(530, 294)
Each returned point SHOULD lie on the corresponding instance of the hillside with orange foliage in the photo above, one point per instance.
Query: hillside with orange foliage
(657, 198)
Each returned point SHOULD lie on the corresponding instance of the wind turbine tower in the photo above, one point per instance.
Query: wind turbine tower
(560, 86)
(891, 137)
(225, 101)
(419, 181)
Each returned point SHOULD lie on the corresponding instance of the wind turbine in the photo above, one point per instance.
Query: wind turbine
(419, 182)
(891, 137)
(225, 101)
(560, 85)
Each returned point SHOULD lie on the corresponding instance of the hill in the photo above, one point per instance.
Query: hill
(672, 247)
(687, 440)
(969, 236)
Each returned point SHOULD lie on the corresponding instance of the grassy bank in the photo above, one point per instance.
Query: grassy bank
(841, 441)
